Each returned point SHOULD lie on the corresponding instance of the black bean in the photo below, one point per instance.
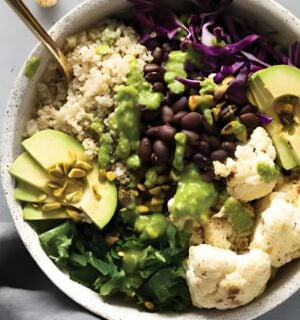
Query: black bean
(161, 151)
(152, 132)
(247, 109)
(169, 98)
(152, 67)
(153, 77)
(166, 47)
(193, 92)
(191, 120)
(192, 137)
(189, 152)
(203, 148)
(219, 155)
(180, 105)
(227, 113)
(208, 175)
(151, 115)
(201, 161)
(145, 150)
(250, 120)
(213, 141)
(206, 126)
(159, 87)
(167, 114)
(178, 116)
(229, 147)
(166, 133)
(157, 55)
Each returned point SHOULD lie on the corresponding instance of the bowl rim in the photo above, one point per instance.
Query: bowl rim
(89, 299)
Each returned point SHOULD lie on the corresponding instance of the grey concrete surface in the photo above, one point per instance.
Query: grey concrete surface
(17, 42)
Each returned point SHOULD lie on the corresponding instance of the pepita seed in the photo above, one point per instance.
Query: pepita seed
(141, 187)
(143, 209)
(155, 191)
(53, 185)
(156, 201)
(42, 197)
(57, 193)
(111, 240)
(74, 197)
(57, 172)
(51, 206)
(76, 173)
(75, 215)
(83, 165)
(96, 192)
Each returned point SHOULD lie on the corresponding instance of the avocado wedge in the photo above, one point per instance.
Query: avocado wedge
(59, 175)
(276, 92)
(49, 147)
(35, 212)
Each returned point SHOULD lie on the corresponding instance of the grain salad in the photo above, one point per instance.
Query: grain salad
(166, 170)
(98, 69)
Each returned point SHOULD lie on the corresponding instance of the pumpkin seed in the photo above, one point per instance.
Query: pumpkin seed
(75, 215)
(57, 171)
(76, 173)
(51, 206)
(143, 208)
(83, 165)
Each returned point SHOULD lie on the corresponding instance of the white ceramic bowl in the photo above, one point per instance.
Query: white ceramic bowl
(19, 111)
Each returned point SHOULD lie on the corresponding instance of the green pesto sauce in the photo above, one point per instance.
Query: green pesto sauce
(238, 216)
(267, 173)
(208, 86)
(193, 197)
(180, 139)
(31, 67)
(125, 121)
(175, 68)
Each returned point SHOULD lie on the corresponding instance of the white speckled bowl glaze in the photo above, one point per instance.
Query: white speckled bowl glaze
(19, 110)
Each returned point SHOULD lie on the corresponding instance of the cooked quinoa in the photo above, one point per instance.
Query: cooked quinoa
(101, 61)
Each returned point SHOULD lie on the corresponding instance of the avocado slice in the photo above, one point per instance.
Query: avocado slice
(97, 199)
(34, 212)
(266, 88)
(28, 193)
(50, 147)
(26, 169)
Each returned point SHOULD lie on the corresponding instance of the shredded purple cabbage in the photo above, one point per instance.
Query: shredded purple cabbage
(264, 119)
(189, 82)
(226, 47)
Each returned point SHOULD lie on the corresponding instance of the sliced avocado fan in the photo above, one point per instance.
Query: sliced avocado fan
(276, 92)
(53, 185)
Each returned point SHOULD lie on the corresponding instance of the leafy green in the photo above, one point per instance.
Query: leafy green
(146, 270)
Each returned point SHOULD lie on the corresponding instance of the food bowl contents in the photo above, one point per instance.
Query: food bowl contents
(46, 3)
(167, 170)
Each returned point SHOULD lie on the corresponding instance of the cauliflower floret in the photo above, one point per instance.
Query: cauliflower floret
(218, 232)
(221, 279)
(278, 228)
(244, 181)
